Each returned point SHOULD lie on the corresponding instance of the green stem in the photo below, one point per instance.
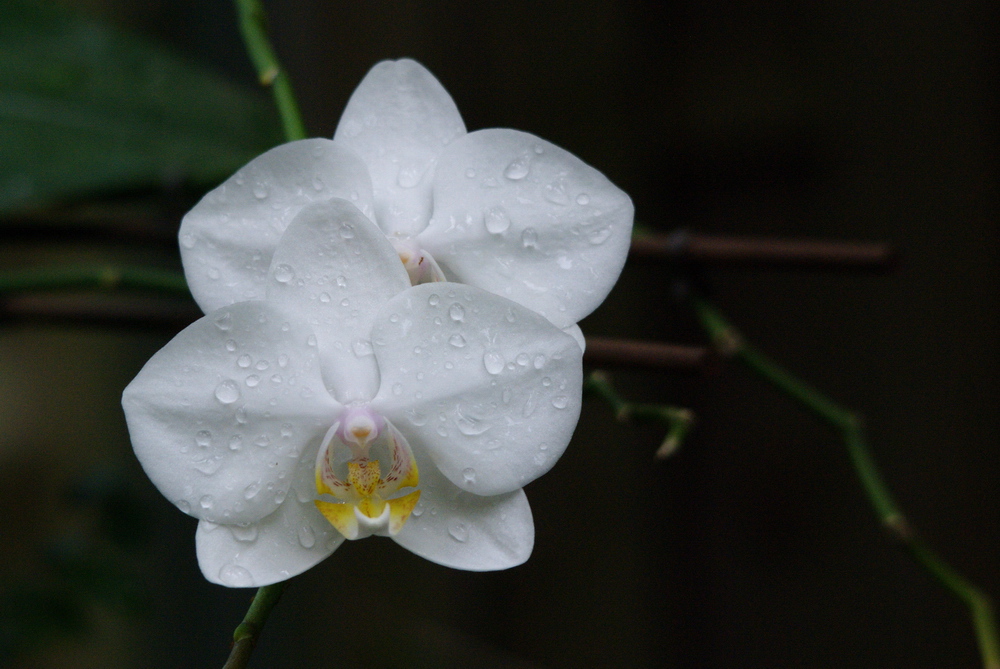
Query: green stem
(269, 71)
(730, 342)
(245, 636)
(102, 277)
(678, 419)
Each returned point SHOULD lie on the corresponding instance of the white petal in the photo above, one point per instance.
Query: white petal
(333, 269)
(285, 544)
(520, 217)
(576, 333)
(489, 389)
(220, 415)
(398, 120)
(458, 529)
(228, 238)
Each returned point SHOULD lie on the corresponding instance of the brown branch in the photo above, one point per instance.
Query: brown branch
(724, 249)
(615, 352)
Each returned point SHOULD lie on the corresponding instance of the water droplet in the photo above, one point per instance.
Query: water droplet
(529, 238)
(307, 537)
(470, 173)
(183, 505)
(555, 192)
(457, 312)
(523, 359)
(342, 282)
(214, 274)
(224, 322)
(416, 417)
(539, 361)
(598, 237)
(283, 273)
(251, 490)
(244, 533)
(493, 362)
(560, 401)
(469, 475)
(433, 300)
(582, 199)
(187, 241)
(235, 576)
(203, 438)
(206, 502)
(262, 440)
(318, 183)
(458, 531)
(397, 389)
(262, 365)
(279, 496)
(260, 191)
(241, 416)
(235, 442)
(311, 340)
(324, 298)
(546, 382)
(347, 231)
(496, 219)
(418, 511)
(538, 149)
(362, 348)
(471, 427)
(282, 360)
(252, 381)
(231, 345)
(518, 168)
(442, 431)
(227, 392)
(457, 340)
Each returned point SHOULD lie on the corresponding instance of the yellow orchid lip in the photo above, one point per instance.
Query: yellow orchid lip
(364, 507)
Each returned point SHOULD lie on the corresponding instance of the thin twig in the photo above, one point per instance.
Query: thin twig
(684, 245)
(678, 419)
(269, 72)
(730, 342)
(613, 351)
(245, 636)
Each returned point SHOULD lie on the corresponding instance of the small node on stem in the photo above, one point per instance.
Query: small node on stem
(268, 76)
(899, 526)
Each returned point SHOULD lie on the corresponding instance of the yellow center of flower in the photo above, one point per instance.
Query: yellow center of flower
(364, 507)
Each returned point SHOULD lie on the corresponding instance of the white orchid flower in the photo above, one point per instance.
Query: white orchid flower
(499, 209)
(341, 402)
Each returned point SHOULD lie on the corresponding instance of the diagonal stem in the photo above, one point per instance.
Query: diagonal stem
(729, 342)
(269, 72)
(245, 636)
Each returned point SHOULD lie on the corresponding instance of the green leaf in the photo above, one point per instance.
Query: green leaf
(85, 107)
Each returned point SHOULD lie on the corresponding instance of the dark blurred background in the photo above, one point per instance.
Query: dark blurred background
(752, 546)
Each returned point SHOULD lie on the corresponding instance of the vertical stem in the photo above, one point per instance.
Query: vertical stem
(245, 636)
(730, 342)
(252, 21)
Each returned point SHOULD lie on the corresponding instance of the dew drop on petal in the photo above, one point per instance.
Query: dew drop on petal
(235, 576)
(251, 490)
(244, 533)
(539, 361)
(457, 340)
(397, 389)
(307, 537)
(469, 475)
(560, 401)
(458, 531)
(598, 237)
(347, 231)
(457, 312)
(283, 273)
(493, 362)
(231, 345)
(287, 430)
(324, 298)
(517, 169)
(362, 348)
(496, 219)
(311, 340)
(415, 417)
(523, 359)
(224, 322)
(529, 238)
(342, 282)
(244, 361)
(235, 442)
(470, 173)
(471, 427)
(187, 241)
(260, 191)
(582, 199)
(282, 360)
(433, 300)
(203, 438)
(252, 381)
(206, 502)
(183, 505)
(227, 392)
(555, 192)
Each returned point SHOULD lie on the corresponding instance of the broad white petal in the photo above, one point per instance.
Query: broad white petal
(458, 529)
(522, 218)
(398, 120)
(285, 544)
(576, 333)
(489, 389)
(333, 269)
(220, 415)
(228, 238)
